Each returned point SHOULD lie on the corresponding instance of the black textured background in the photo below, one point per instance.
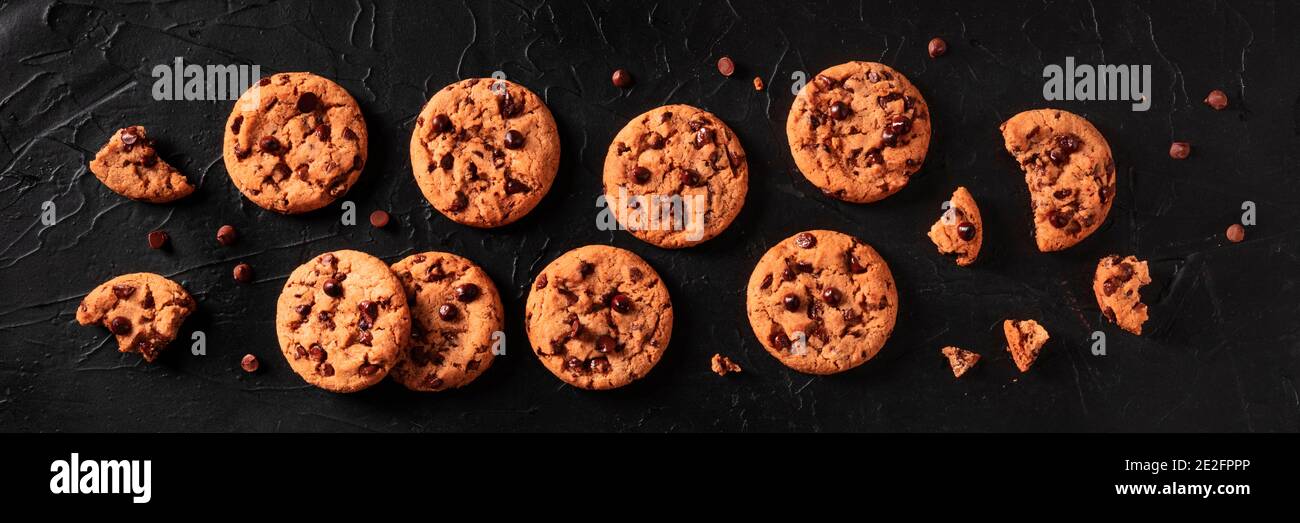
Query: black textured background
(1221, 353)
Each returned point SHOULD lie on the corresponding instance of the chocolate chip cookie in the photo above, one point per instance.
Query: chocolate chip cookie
(680, 159)
(599, 317)
(858, 131)
(457, 313)
(295, 142)
(342, 320)
(1117, 285)
(822, 302)
(1025, 339)
(1069, 171)
(485, 151)
(143, 310)
(129, 166)
(959, 231)
(961, 360)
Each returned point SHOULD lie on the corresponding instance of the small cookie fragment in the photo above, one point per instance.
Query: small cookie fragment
(1025, 339)
(960, 230)
(129, 166)
(961, 360)
(723, 365)
(143, 310)
(1116, 284)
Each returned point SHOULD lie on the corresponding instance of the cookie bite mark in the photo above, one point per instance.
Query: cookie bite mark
(599, 317)
(1069, 171)
(822, 302)
(484, 152)
(129, 165)
(961, 360)
(676, 154)
(858, 131)
(295, 142)
(960, 230)
(1117, 285)
(144, 311)
(1025, 339)
(457, 311)
(342, 321)
(723, 365)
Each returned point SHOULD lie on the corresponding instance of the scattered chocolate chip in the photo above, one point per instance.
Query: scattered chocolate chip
(307, 102)
(1180, 150)
(448, 312)
(839, 110)
(514, 139)
(937, 47)
(270, 144)
(640, 175)
(966, 231)
(1236, 233)
(467, 292)
(120, 326)
(606, 344)
(379, 219)
(243, 273)
(791, 302)
(805, 240)
(227, 235)
(1217, 99)
(726, 66)
(621, 303)
(622, 79)
(758, 84)
(249, 363)
(441, 123)
(158, 239)
(831, 296)
(332, 288)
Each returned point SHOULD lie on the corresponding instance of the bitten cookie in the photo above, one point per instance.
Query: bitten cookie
(1025, 339)
(295, 142)
(858, 131)
(822, 302)
(1069, 171)
(599, 317)
(682, 158)
(961, 360)
(456, 310)
(959, 231)
(1117, 284)
(143, 310)
(342, 320)
(128, 165)
(485, 151)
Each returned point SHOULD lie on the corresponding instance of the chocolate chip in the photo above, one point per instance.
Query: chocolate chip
(726, 66)
(365, 337)
(120, 326)
(514, 139)
(368, 309)
(791, 302)
(316, 353)
(779, 340)
(787, 274)
(448, 312)
(236, 123)
(1108, 286)
(606, 344)
(441, 123)
(327, 370)
(803, 267)
(767, 282)
(467, 292)
(332, 288)
(243, 273)
(805, 240)
(1236, 233)
(303, 310)
(691, 178)
(1058, 219)
(1062, 194)
(854, 266)
(270, 144)
(514, 186)
(832, 296)
(541, 281)
(369, 369)
(249, 363)
(150, 159)
(599, 365)
(1180, 150)
(459, 202)
(573, 363)
(1217, 99)
(640, 175)
(1063, 146)
(347, 133)
(128, 136)
(966, 231)
(227, 235)
(508, 105)
(654, 140)
(622, 79)
(379, 219)
(895, 127)
(123, 291)
(1125, 272)
(703, 136)
(447, 162)
(585, 269)
(264, 82)
(621, 303)
(307, 102)
(937, 47)
(158, 239)
(328, 259)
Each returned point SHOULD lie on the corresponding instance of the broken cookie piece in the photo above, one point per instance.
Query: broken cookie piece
(1025, 339)
(723, 365)
(143, 310)
(1069, 170)
(960, 231)
(1117, 284)
(129, 166)
(961, 360)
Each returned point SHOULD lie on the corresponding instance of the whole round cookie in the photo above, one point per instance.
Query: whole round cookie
(143, 310)
(485, 151)
(295, 142)
(680, 158)
(457, 313)
(599, 317)
(858, 131)
(342, 320)
(822, 302)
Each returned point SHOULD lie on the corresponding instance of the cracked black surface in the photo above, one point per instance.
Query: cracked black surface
(1222, 352)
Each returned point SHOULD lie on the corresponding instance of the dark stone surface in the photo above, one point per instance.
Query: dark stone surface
(1221, 354)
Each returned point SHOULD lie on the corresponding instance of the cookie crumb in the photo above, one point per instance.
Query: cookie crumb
(726, 66)
(961, 360)
(758, 84)
(723, 365)
(938, 47)
(227, 235)
(1236, 233)
(1180, 150)
(243, 273)
(1217, 99)
(622, 79)
(158, 239)
(1025, 339)
(249, 363)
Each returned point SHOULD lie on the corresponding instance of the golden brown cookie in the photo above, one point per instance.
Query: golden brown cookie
(342, 320)
(129, 166)
(1117, 285)
(960, 230)
(599, 317)
(1069, 170)
(295, 142)
(485, 151)
(457, 313)
(682, 158)
(858, 131)
(1025, 339)
(143, 310)
(822, 302)
(961, 360)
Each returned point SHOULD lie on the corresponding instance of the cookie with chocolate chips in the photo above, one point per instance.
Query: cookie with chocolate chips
(342, 321)
(599, 317)
(295, 142)
(1117, 285)
(858, 131)
(485, 151)
(678, 158)
(1069, 170)
(822, 302)
(128, 165)
(457, 312)
(143, 310)
(1025, 339)
(960, 230)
